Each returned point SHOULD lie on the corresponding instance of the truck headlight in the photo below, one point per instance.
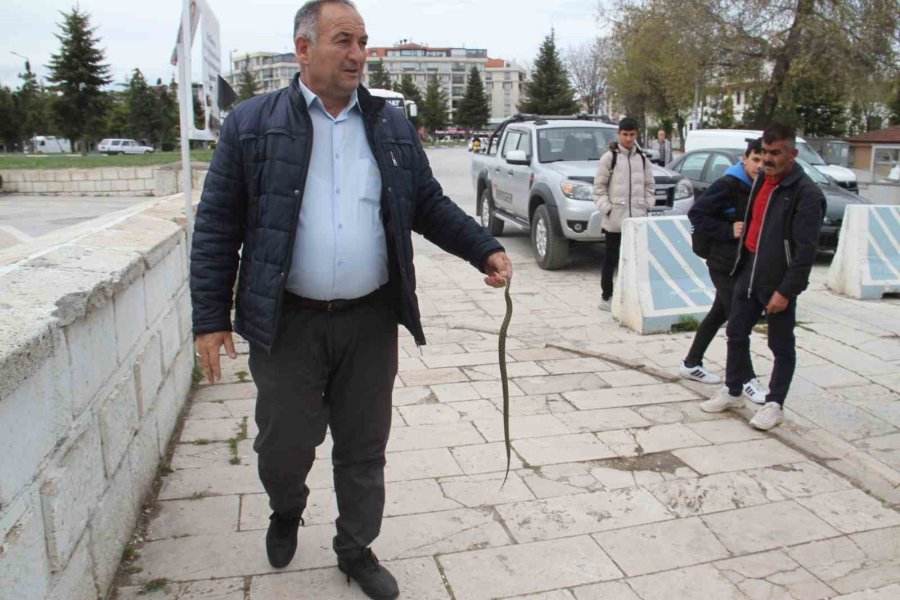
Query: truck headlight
(684, 189)
(828, 221)
(577, 190)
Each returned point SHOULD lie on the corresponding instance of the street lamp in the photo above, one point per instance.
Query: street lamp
(27, 60)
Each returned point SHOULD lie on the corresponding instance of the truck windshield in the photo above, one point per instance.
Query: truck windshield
(573, 143)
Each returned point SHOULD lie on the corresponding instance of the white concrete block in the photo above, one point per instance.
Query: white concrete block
(24, 568)
(111, 527)
(130, 318)
(78, 174)
(148, 373)
(92, 360)
(69, 495)
(43, 402)
(118, 417)
(136, 185)
(110, 173)
(103, 186)
(94, 175)
(867, 261)
(62, 175)
(184, 369)
(45, 175)
(39, 187)
(118, 186)
(127, 173)
(161, 283)
(76, 582)
(183, 306)
(168, 407)
(660, 278)
(144, 456)
(170, 336)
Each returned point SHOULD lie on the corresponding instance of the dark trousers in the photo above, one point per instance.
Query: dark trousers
(745, 311)
(610, 263)
(715, 318)
(328, 370)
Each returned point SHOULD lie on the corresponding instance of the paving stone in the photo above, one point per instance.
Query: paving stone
(885, 448)
(413, 395)
(585, 421)
(766, 527)
(454, 392)
(485, 489)
(539, 354)
(554, 595)
(423, 437)
(889, 592)
(628, 396)
(856, 562)
(522, 427)
(439, 533)
(712, 493)
(406, 365)
(473, 410)
(223, 409)
(415, 497)
(560, 480)
(679, 412)
(420, 464)
(429, 414)
(201, 456)
(702, 581)
(582, 513)
(661, 438)
(740, 455)
(576, 365)
(555, 384)
(799, 479)
(432, 376)
(213, 430)
(417, 578)
(725, 431)
(224, 391)
(484, 458)
(194, 517)
(561, 449)
(851, 511)
(661, 546)
(526, 568)
(628, 378)
(848, 421)
(610, 590)
(321, 509)
(494, 389)
(208, 589)
(773, 575)
(830, 376)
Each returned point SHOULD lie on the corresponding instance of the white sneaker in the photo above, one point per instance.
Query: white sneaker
(769, 416)
(721, 402)
(604, 305)
(698, 373)
(754, 392)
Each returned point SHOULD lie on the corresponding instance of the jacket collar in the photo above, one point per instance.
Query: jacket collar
(792, 176)
(369, 104)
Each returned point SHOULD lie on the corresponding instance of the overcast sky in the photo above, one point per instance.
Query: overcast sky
(142, 34)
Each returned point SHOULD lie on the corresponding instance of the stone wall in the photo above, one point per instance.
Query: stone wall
(156, 180)
(96, 362)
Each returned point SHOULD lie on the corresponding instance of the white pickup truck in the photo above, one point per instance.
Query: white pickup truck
(537, 173)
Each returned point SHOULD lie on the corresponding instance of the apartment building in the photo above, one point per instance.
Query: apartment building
(272, 70)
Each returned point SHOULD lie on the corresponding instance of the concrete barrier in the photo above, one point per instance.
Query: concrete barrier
(96, 361)
(154, 180)
(660, 279)
(866, 264)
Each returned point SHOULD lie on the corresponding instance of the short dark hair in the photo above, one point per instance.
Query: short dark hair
(753, 147)
(628, 124)
(778, 132)
(306, 21)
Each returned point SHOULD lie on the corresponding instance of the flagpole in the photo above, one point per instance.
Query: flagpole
(185, 91)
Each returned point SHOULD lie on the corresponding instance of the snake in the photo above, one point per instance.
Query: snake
(504, 382)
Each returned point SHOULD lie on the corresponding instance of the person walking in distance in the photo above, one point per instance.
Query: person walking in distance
(718, 221)
(310, 202)
(623, 188)
(775, 256)
(663, 147)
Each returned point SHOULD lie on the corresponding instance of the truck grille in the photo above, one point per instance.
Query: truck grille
(665, 194)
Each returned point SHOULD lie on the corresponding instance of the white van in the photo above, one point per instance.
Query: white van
(49, 144)
(698, 139)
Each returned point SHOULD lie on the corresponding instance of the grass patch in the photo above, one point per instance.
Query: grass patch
(685, 323)
(165, 469)
(243, 376)
(198, 496)
(201, 442)
(196, 375)
(233, 442)
(155, 585)
(93, 161)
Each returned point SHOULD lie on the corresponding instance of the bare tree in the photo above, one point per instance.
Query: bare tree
(586, 66)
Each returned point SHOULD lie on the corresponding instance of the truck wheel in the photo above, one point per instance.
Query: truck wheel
(488, 219)
(551, 249)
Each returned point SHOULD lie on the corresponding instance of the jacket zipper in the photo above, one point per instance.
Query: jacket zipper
(740, 251)
(629, 183)
(393, 160)
(759, 238)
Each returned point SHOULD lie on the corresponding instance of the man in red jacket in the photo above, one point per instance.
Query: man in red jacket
(775, 256)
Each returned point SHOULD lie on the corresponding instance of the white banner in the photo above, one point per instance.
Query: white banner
(208, 91)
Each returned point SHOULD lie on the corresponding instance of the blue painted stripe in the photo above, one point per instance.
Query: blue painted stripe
(662, 292)
(679, 277)
(879, 269)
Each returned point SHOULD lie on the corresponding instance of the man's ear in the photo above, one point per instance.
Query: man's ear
(302, 48)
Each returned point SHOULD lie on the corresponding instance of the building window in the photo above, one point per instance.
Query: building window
(459, 79)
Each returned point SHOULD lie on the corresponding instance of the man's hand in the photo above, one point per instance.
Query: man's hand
(738, 229)
(208, 345)
(777, 303)
(498, 269)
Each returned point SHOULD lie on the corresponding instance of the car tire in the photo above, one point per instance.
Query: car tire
(551, 249)
(488, 219)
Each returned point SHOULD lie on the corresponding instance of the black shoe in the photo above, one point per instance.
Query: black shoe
(281, 539)
(376, 581)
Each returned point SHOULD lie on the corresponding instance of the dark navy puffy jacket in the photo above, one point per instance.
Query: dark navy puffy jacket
(247, 218)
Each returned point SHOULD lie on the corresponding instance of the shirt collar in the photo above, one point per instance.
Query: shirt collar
(312, 99)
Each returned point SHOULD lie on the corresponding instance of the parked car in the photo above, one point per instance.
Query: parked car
(122, 146)
(703, 167)
(49, 144)
(537, 173)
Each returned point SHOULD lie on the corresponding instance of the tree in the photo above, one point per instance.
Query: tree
(894, 105)
(167, 105)
(247, 86)
(722, 113)
(79, 72)
(549, 91)
(10, 124)
(473, 111)
(117, 120)
(586, 65)
(143, 112)
(410, 91)
(433, 111)
(32, 103)
(378, 77)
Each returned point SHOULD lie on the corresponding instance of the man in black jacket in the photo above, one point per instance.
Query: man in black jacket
(718, 219)
(318, 187)
(775, 256)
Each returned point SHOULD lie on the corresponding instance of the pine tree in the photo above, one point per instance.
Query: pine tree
(79, 74)
(143, 113)
(433, 111)
(378, 77)
(473, 111)
(32, 103)
(117, 121)
(10, 124)
(167, 105)
(549, 92)
(247, 86)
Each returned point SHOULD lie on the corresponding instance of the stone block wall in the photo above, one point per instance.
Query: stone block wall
(95, 366)
(157, 180)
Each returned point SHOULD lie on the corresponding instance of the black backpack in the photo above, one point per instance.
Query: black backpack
(702, 244)
(614, 148)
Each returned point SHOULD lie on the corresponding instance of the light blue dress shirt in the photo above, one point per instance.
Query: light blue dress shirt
(340, 250)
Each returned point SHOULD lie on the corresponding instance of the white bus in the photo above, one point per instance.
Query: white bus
(49, 144)
(397, 99)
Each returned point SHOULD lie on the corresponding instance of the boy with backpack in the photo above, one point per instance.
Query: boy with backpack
(623, 188)
(717, 218)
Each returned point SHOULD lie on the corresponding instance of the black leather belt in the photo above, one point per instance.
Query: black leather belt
(331, 305)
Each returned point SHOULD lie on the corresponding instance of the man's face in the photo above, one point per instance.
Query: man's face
(332, 67)
(627, 137)
(778, 158)
(661, 136)
(752, 164)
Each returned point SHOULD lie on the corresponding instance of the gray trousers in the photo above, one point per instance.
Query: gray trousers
(328, 369)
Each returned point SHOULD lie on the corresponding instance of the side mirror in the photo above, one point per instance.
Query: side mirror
(517, 157)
